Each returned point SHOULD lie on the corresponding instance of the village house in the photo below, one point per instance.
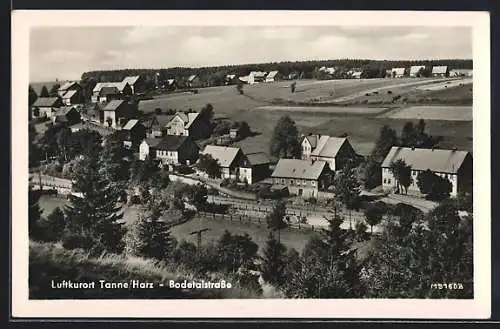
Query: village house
(154, 129)
(301, 177)
(147, 148)
(171, 84)
(136, 83)
(116, 113)
(194, 81)
(71, 97)
(134, 133)
(230, 159)
(45, 107)
(454, 165)
(92, 113)
(256, 77)
(255, 167)
(398, 72)
(460, 73)
(415, 70)
(231, 79)
(175, 150)
(66, 114)
(336, 151)
(356, 74)
(272, 76)
(439, 71)
(188, 124)
(124, 90)
(71, 90)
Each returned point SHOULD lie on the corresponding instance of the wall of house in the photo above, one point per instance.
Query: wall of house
(167, 157)
(306, 149)
(143, 151)
(300, 187)
(245, 174)
(176, 127)
(389, 182)
(188, 152)
(111, 115)
(46, 111)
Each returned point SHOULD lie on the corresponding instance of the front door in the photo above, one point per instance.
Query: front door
(300, 191)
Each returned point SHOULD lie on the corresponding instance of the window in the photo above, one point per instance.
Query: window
(389, 181)
(385, 180)
(291, 182)
(313, 183)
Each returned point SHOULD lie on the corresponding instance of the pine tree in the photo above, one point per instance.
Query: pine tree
(94, 218)
(44, 92)
(275, 219)
(274, 262)
(347, 187)
(34, 214)
(55, 224)
(150, 237)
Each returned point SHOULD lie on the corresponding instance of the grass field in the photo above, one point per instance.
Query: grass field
(453, 113)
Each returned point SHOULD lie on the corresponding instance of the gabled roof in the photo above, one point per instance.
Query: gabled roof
(130, 124)
(356, 74)
(224, 155)
(443, 161)
(258, 74)
(414, 69)
(113, 105)
(152, 142)
(230, 76)
(69, 93)
(62, 111)
(257, 158)
(108, 90)
(398, 70)
(439, 69)
(300, 169)
(131, 80)
(188, 118)
(119, 85)
(171, 142)
(170, 81)
(312, 139)
(272, 74)
(46, 101)
(67, 85)
(328, 146)
(192, 77)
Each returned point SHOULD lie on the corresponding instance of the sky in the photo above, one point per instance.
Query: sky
(66, 52)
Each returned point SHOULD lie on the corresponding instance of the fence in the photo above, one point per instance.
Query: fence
(254, 220)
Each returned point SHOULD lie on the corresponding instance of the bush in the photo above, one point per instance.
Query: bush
(158, 111)
(389, 92)
(184, 169)
(53, 169)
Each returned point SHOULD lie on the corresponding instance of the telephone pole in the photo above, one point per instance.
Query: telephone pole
(198, 237)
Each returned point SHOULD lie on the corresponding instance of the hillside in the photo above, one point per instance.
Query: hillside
(52, 262)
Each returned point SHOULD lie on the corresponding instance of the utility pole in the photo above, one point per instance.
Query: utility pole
(198, 237)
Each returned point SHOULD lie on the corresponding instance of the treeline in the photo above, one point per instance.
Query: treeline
(214, 75)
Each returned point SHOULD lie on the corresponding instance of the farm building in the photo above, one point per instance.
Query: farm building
(45, 107)
(134, 132)
(230, 159)
(272, 76)
(301, 177)
(456, 166)
(193, 81)
(154, 128)
(66, 114)
(439, 71)
(255, 167)
(415, 70)
(398, 72)
(147, 148)
(256, 77)
(123, 89)
(171, 84)
(356, 74)
(117, 113)
(136, 83)
(461, 73)
(335, 151)
(176, 150)
(188, 124)
(69, 86)
(231, 79)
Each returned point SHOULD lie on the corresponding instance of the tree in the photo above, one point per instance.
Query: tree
(63, 138)
(275, 219)
(274, 262)
(207, 113)
(222, 128)
(435, 187)
(34, 214)
(55, 224)
(360, 231)
(407, 215)
(54, 89)
(285, 139)
(158, 111)
(32, 96)
(33, 150)
(386, 140)
(236, 251)
(347, 187)
(114, 166)
(372, 173)
(402, 174)
(245, 130)
(44, 92)
(373, 215)
(408, 135)
(292, 87)
(150, 237)
(209, 165)
(239, 88)
(94, 217)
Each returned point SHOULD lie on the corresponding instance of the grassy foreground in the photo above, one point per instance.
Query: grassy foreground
(51, 262)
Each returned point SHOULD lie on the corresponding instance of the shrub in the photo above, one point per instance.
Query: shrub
(389, 92)
(158, 111)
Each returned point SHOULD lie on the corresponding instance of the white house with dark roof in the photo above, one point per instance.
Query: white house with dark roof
(255, 167)
(175, 150)
(415, 69)
(336, 151)
(256, 77)
(135, 82)
(272, 76)
(439, 71)
(230, 159)
(454, 165)
(98, 95)
(301, 177)
(460, 73)
(69, 90)
(398, 72)
(188, 124)
(45, 107)
(116, 113)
